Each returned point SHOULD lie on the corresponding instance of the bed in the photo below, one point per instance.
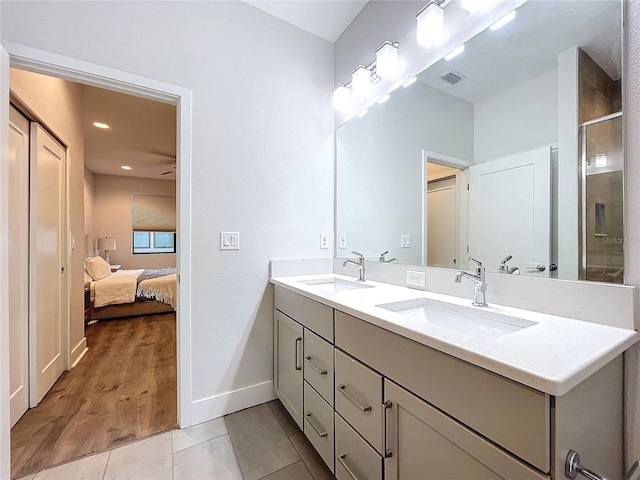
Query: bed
(128, 293)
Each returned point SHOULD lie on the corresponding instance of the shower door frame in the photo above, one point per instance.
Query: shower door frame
(582, 274)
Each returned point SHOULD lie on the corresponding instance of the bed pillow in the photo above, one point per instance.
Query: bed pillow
(97, 267)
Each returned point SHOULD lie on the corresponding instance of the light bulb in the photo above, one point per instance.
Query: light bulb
(341, 98)
(430, 25)
(387, 60)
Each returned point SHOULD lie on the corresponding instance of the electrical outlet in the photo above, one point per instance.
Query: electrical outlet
(405, 241)
(416, 278)
(324, 240)
(343, 241)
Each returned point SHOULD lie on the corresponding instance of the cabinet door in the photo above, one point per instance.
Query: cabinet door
(422, 442)
(287, 364)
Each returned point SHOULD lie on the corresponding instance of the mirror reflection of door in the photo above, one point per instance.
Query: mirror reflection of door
(442, 208)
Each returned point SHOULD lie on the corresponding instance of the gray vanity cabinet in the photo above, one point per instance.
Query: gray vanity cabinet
(377, 405)
(287, 368)
(422, 442)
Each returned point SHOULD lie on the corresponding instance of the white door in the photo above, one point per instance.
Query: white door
(46, 282)
(442, 223)
(510, 211)
(18, 264)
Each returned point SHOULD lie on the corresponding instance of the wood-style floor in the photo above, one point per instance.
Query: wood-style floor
(122, 390)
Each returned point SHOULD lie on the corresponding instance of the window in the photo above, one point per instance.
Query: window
(153, 219)
(154, 242)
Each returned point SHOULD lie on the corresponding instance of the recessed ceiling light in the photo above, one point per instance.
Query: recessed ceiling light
(100, 125)
(125, 167)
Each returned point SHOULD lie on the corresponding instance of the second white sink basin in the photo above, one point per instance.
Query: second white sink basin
(472, 322)
(335, 284)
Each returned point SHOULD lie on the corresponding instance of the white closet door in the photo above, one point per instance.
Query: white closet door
(18, 264)
(47, 262)
(510, 211)
(442, 223)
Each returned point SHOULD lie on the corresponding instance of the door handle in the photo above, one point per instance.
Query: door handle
(318, 370)
(364, 408)
(386, 406)
(298, 341)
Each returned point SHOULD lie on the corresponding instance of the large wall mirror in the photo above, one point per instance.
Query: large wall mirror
(511, 153)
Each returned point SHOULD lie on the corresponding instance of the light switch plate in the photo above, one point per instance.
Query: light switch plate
(324, 240)
(405, 241)
(229, 240)
(343, 241)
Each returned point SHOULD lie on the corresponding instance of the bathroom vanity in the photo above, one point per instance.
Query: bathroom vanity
(395, 383)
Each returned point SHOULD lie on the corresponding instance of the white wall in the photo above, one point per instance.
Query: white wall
(262, 152)
(520, 118)
(380, 168)
(112, 217)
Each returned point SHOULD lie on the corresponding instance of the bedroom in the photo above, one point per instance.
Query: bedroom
(142, 137)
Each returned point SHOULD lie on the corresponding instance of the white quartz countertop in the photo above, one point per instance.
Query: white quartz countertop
(553, 355)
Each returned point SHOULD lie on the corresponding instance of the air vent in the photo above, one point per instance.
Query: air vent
(452, 77)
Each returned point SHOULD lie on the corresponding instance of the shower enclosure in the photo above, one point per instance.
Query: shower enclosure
(601, 192)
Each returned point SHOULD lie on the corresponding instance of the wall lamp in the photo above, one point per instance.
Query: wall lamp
(430, 26)
(384, 66)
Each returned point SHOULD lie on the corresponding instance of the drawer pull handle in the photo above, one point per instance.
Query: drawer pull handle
(319, 371)
(364, 408)
(298, 342)
(320, 433)
(346, 467)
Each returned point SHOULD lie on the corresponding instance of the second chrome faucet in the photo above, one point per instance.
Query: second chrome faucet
(359, 264)
(479, 278)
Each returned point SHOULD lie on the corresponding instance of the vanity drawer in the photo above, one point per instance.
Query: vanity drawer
(358, 398)
(354, 457)
(506, 412)
(313, 315)
(318, 365)
(318, 424)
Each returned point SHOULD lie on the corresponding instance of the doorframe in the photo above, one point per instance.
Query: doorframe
(461, 181)
(67, 68)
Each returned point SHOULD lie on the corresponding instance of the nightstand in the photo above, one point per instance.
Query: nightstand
(115, 268)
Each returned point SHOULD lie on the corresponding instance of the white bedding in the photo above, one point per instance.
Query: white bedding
(119, 287)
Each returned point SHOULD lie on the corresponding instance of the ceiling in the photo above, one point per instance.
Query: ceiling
(494, 61)
(326, 19)
(142, 135)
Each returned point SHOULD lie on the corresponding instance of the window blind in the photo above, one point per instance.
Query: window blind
(153, 213)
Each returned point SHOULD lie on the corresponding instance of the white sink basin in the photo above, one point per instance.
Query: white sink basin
(472, 322)
(335, 284)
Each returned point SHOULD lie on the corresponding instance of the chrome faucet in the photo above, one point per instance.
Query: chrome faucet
(504, 268)
(478, 277)
(382, 259)
(359, 264)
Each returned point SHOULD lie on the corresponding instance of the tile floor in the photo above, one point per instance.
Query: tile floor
(261, 442)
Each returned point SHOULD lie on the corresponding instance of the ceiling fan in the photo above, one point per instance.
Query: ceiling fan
(170, 166)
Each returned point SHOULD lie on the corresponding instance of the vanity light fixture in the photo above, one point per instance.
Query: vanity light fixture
(410, 82)
(455, 53)
(473, 6)
(361, 79)
(101, 125)
(384, 99)
(430, 27)
(341, 98)
(125, 167)
(387, 60)
(504, 20)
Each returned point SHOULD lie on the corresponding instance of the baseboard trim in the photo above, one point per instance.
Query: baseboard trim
(229, 402)
(78, 352)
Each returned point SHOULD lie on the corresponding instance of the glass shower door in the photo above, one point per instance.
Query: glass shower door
(602, 229)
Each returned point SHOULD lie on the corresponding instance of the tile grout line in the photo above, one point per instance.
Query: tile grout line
(106, 464)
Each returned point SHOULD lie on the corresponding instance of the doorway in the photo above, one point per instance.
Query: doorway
(70, 69)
